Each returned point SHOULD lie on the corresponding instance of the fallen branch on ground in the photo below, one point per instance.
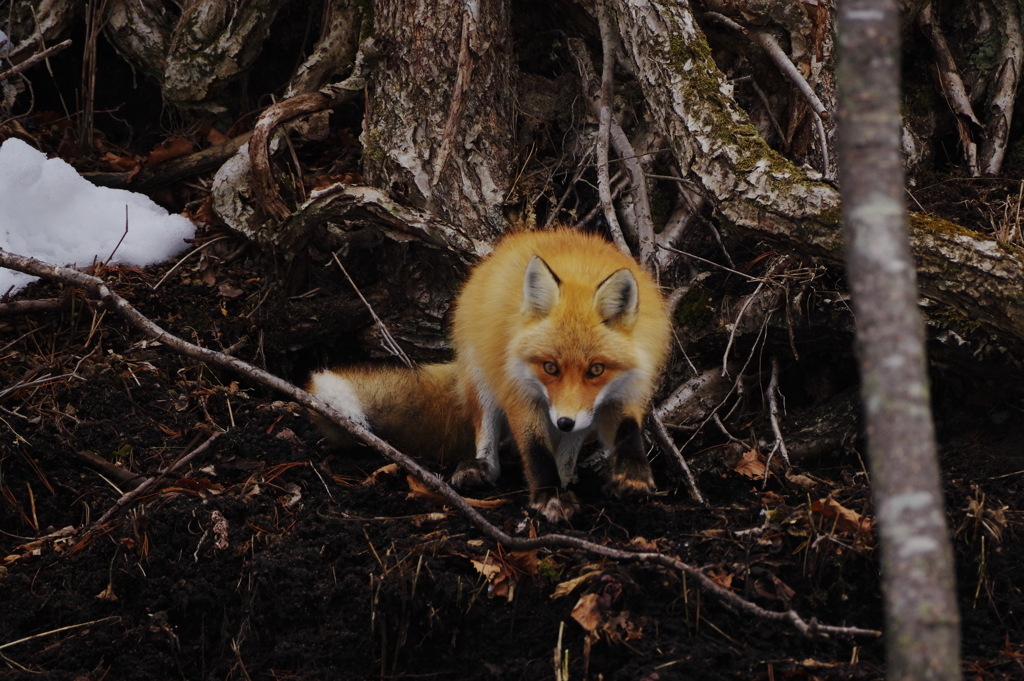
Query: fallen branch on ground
(110, 300)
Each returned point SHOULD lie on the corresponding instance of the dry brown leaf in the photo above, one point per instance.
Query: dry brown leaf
(524, 561)
(288, 435)
(120, 163)
(751, 464)
(428, 518)
(417, 490)
(587, 612)
(642, 544)
(228, 290)
(215, 137)
(720, 576)
(169, 149)
(840, 518)
(383, 474)
(107, 594)
(203, 213)
(500, 577)
(619, 628)
(801, 482)
(567, 587)
(198, 487)
(487, 568)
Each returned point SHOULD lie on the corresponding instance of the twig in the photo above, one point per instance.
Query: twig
(770, 45)
(57, 631)
(21, 307)
(773, 412)
(123, 476)
(768, 110)
(709, 262)
(121, 240)
(735, 325)
(151, 482)
(42, 380)
(391, 345)
(676, 226)
(603, 103)
(34, 59)
(737, 386)
(95, 18)
(553, 215)
(622, 146)
(669, 446)
(186, 257)
(619, 183)
(551, 541)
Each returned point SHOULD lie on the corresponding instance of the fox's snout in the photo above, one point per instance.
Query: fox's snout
(570, 420)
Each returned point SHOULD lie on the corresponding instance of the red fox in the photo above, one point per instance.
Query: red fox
(558, 337)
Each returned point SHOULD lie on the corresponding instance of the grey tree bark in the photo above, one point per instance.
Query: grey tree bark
(918, 581)
(439, 117)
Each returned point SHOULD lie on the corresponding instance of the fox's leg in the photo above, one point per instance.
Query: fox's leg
(540, 467)
(487, 420)
(630, 472)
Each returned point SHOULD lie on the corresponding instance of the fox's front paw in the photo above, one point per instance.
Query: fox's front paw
(473, 473)
(555, 508)
(631, 479)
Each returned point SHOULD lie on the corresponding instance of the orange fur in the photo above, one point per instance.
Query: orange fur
(415, 410)
(503, 341)
(558, 337)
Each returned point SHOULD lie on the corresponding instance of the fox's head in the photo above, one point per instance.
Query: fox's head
(576, 350)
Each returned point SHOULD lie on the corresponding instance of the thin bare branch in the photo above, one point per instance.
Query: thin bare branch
(34, 59)
(59, 630)
(151, 482)
(390, 344)
(604, 107)
(669, 446)
(773, 412)
(98, 288)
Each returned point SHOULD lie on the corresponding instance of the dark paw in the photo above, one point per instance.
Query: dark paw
(473, 473)
(555, 509)
(631, 479)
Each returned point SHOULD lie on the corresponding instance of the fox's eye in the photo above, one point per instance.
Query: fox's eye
(551, 368)
(595, 370)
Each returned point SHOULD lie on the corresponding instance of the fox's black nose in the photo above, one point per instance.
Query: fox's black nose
(565, 424)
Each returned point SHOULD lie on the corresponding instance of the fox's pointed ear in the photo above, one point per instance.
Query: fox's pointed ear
(540, 288)
(617, 299)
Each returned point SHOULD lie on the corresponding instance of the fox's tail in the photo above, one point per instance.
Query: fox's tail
(420, 411)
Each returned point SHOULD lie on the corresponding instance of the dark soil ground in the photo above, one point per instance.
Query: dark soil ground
(267, 557)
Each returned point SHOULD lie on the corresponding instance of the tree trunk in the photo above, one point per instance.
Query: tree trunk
(922, 620)
(439, 116)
